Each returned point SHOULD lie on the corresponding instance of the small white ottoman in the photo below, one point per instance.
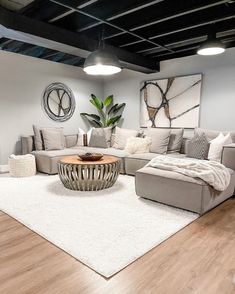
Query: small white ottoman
(22, 165)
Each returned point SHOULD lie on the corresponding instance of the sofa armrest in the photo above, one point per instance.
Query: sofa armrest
(228, 156)
(27, 144)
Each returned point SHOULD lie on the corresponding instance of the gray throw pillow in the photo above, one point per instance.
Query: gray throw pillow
(53, 139)
(71, 140)
(175, 141)
(160, 139)
(98, 138)
(198, 147)
(38, 137)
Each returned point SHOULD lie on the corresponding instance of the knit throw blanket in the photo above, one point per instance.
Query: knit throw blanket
(213, 173)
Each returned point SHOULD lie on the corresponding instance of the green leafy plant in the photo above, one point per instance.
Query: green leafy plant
(109, 114)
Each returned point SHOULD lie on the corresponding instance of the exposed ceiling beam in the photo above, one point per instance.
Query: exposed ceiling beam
(87, 3)
(25, 29)
(185, 41)
(192, 47)
(71, 5)
(193, 26)
(182, 13)
(115, 35)
(122, 13)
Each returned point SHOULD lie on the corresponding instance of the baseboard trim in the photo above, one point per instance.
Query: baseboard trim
(4, 168)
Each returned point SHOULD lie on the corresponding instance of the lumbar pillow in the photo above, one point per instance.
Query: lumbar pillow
(98, 138)
(137, 145)
(53, 139)
(175, 141)
(121, 136)
(216, 146)
(198, 147)
(160, 140)
(83, 137)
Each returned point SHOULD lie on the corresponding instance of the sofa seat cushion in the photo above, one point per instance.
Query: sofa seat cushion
(133, 162)
(46, 161)
(55, 153)
(178, 190)
(107, 151)
(170, 175)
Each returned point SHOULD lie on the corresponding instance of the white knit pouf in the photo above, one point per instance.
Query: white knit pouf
(22, 165)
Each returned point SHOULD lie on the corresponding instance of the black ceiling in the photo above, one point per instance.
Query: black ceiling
(153, 30)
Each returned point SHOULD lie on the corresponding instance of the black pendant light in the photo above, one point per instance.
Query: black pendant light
(102, 61)
(211, 46)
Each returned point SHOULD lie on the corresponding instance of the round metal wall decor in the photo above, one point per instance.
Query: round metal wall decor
(58, 102)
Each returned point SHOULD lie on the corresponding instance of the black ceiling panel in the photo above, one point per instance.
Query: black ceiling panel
(158, 29)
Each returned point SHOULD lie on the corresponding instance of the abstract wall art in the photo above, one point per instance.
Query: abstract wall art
(172, 102)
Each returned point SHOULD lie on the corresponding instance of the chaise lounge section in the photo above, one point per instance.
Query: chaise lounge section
(181, 191)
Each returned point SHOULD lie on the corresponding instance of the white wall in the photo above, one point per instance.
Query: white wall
(22, 81)
(218, 88)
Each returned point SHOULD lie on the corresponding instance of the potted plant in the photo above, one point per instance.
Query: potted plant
(109, 114)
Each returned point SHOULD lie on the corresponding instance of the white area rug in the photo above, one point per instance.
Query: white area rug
(106, 230)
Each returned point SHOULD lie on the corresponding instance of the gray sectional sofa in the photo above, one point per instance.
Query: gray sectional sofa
(163, 186)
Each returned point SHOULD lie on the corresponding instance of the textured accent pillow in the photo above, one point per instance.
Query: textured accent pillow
(137, 145)
(53, 139)
(98, 138)
(216, 146)
(160, 139)
(121, 136)
(175, 141)
(198, 147)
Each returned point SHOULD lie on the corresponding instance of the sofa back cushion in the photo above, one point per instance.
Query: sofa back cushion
(212, 134)
(160, 139)
(121, 136)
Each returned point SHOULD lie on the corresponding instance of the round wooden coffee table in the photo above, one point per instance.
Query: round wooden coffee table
(77, 174)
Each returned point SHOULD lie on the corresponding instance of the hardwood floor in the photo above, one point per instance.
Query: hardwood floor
(198, 259)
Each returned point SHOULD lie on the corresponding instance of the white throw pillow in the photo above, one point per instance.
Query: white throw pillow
(84, 137)
(216, 146)
(121, 136)
(136, 145)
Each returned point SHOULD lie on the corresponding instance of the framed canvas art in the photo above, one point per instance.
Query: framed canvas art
(172, 102)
